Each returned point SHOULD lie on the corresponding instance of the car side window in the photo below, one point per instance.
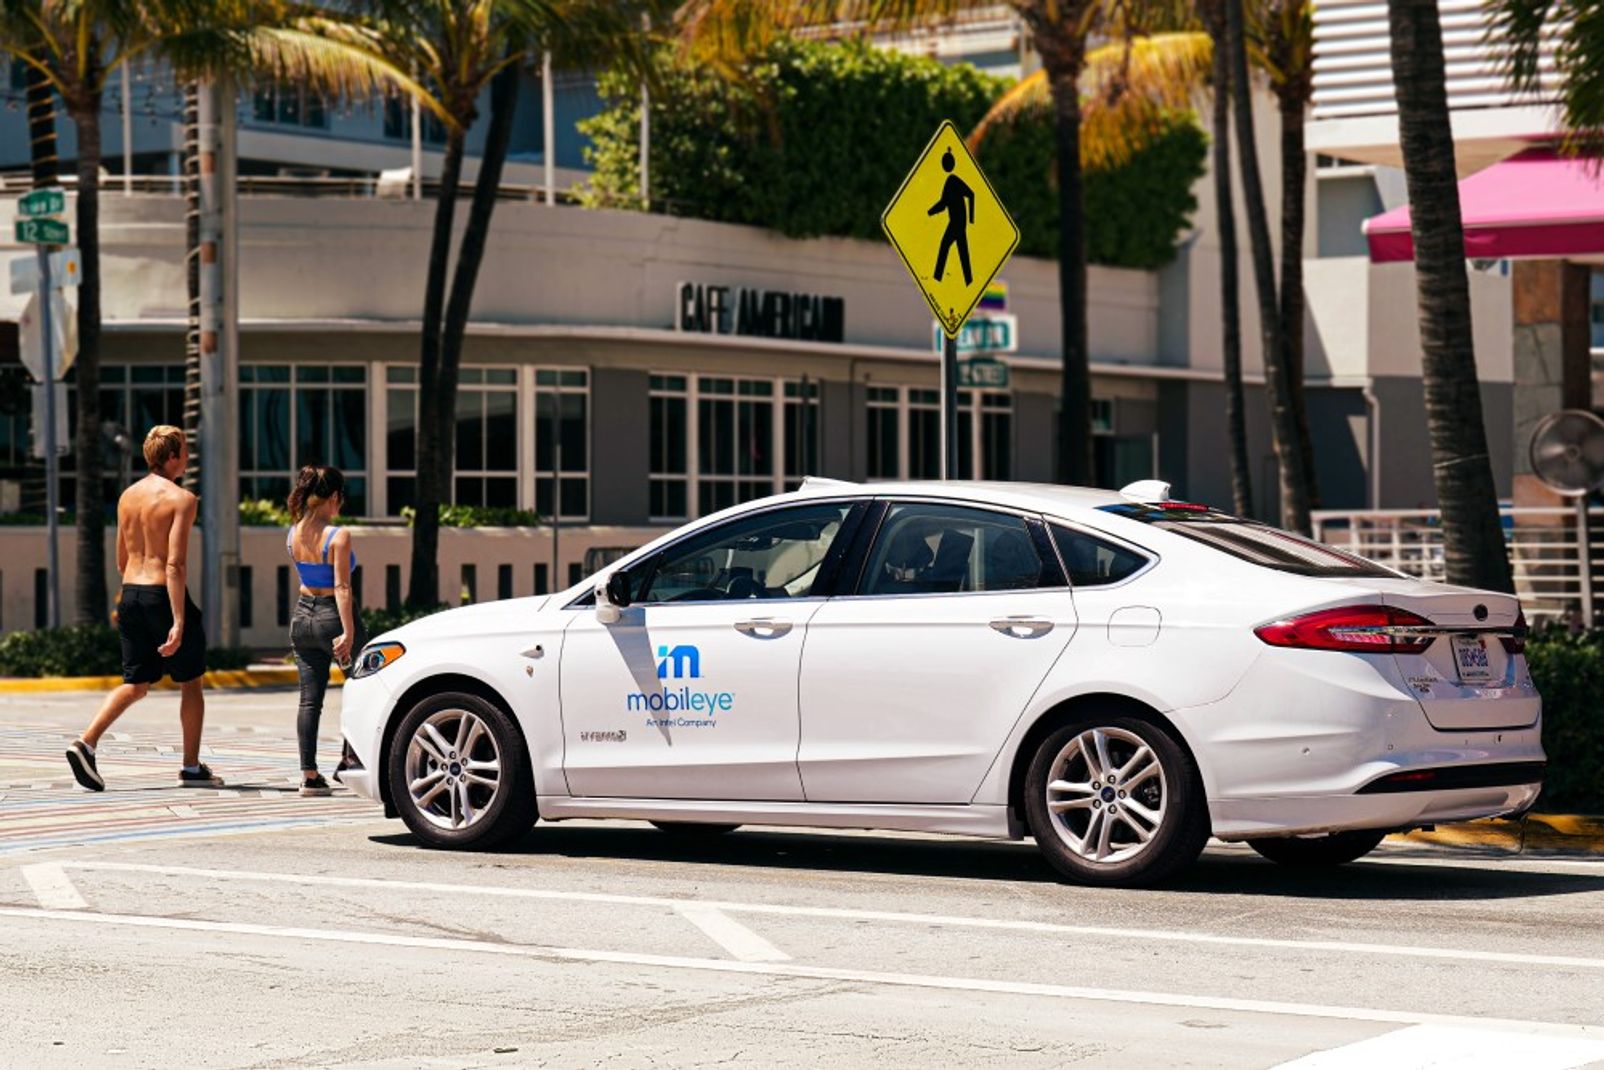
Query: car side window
(947, 549)
(1091, 562)
(773, 554)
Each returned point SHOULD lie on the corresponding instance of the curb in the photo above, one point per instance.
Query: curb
(1574, 833)
(217, 680)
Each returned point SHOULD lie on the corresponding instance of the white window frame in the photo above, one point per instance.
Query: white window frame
(535, 388)
(293, 386)
(693, 478)
(911, 399)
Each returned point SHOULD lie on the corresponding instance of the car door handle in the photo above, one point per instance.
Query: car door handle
(1022, 627)
(763, 627)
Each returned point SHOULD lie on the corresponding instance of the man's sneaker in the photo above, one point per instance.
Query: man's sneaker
(202, 777)
(82, 760)
(316, 787)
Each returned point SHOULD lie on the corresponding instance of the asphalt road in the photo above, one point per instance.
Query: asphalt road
(160, 926)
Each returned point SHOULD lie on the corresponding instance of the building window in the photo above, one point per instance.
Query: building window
(905, 434)
(717, 441)
(1120, 458)
(801, 432)
(487, 438)
(398, 122)
(670, 459)
(294, 415)
(291, 105)
(885, 453)
(562, 443)
(137, 397)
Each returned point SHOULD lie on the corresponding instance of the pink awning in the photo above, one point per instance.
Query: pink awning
(1535, 204)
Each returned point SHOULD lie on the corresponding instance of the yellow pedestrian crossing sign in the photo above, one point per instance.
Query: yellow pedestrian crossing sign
(951, 231)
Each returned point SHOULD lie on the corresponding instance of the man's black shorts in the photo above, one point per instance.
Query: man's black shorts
(144, 617)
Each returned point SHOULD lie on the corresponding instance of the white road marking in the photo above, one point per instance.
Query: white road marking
(182, 810)
(1448, 1047)
(820, 973)
(730, 934)
(52, 888)
(848, 914)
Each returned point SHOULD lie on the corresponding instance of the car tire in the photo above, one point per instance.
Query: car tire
(1318, 852)
(1150, 769)
(693, 828)
(475, 798)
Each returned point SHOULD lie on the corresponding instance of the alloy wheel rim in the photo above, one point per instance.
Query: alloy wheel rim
(1107, 795)
(453, 769)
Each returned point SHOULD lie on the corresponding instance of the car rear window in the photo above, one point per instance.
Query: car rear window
(1249, 540)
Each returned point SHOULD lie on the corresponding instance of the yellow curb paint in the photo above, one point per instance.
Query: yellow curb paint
(1563, 832)
(222, 679)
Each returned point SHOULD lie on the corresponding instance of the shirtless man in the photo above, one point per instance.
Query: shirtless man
(159, 625)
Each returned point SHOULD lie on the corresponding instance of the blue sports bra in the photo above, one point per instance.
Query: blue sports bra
(316, 574)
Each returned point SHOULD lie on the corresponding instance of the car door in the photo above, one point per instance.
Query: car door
(911, 683)
(692, 692)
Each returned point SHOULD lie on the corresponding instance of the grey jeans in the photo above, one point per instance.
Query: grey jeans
(313, 629)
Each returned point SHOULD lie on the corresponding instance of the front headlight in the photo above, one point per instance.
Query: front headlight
(375, 657)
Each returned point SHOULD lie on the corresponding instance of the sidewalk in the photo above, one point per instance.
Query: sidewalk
(1573, 833)
(259, 675)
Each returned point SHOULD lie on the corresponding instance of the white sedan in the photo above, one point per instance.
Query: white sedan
(1116, 674)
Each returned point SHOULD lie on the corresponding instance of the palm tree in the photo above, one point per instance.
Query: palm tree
(1574, 29)
(1473, 540)
(1213, 14)
(1278, 376)
(458, 50)
(726, 30)
(1281, 45)
(76, 45)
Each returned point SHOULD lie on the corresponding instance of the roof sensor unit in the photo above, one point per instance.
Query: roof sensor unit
(1146, 490)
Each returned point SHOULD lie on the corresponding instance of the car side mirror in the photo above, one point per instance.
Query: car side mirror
(612, 596)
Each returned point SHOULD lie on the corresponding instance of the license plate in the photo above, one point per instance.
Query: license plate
(1470, 658)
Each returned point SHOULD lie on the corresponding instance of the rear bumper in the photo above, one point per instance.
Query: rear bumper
(1240, 819)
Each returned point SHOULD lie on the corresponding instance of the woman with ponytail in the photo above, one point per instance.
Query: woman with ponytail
(324, 629)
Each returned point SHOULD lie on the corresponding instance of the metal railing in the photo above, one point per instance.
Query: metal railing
(1552, 573)
(16, 183)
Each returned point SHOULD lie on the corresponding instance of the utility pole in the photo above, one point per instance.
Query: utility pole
(219, 341)
(548, 127)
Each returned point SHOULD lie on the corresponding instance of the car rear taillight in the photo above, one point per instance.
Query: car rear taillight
(1515, 642)
(1359, 629)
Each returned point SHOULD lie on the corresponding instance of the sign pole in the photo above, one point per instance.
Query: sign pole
(949, 407)
(52, 465)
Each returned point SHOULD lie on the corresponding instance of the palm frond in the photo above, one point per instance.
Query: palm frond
(1126, 89)
(1519, 33)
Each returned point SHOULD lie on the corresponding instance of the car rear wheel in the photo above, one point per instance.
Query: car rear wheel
(1114, 800)
(1318, 852)
(693, 828)
(459, 774)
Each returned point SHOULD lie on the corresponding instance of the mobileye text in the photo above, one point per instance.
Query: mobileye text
(684, 700)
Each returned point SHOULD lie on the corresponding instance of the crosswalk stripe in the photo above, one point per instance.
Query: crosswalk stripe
(1456, 1047)
(741, 942)
(52, 888)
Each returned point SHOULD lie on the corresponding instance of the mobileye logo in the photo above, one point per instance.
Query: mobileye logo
(692, 707)
(685, 660)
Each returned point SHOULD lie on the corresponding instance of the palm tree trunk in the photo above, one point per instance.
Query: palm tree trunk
(1230, 300)
(476, 232)
(1473, 541)
(1294, 183)
(89, 596)
(1283, 425)
(423, 587)
(1075, 402)
(192, 265)
(42, 130)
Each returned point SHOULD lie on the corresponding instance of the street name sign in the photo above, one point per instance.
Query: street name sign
(41, 202)
(982, 373)
(950, 229)
(997, 333)
(42, 231)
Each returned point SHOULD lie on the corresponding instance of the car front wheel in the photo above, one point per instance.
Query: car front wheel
(459, 774)
(1318, 852)
(1114, 800)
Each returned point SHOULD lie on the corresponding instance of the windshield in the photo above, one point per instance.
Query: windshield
(1249, 540)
